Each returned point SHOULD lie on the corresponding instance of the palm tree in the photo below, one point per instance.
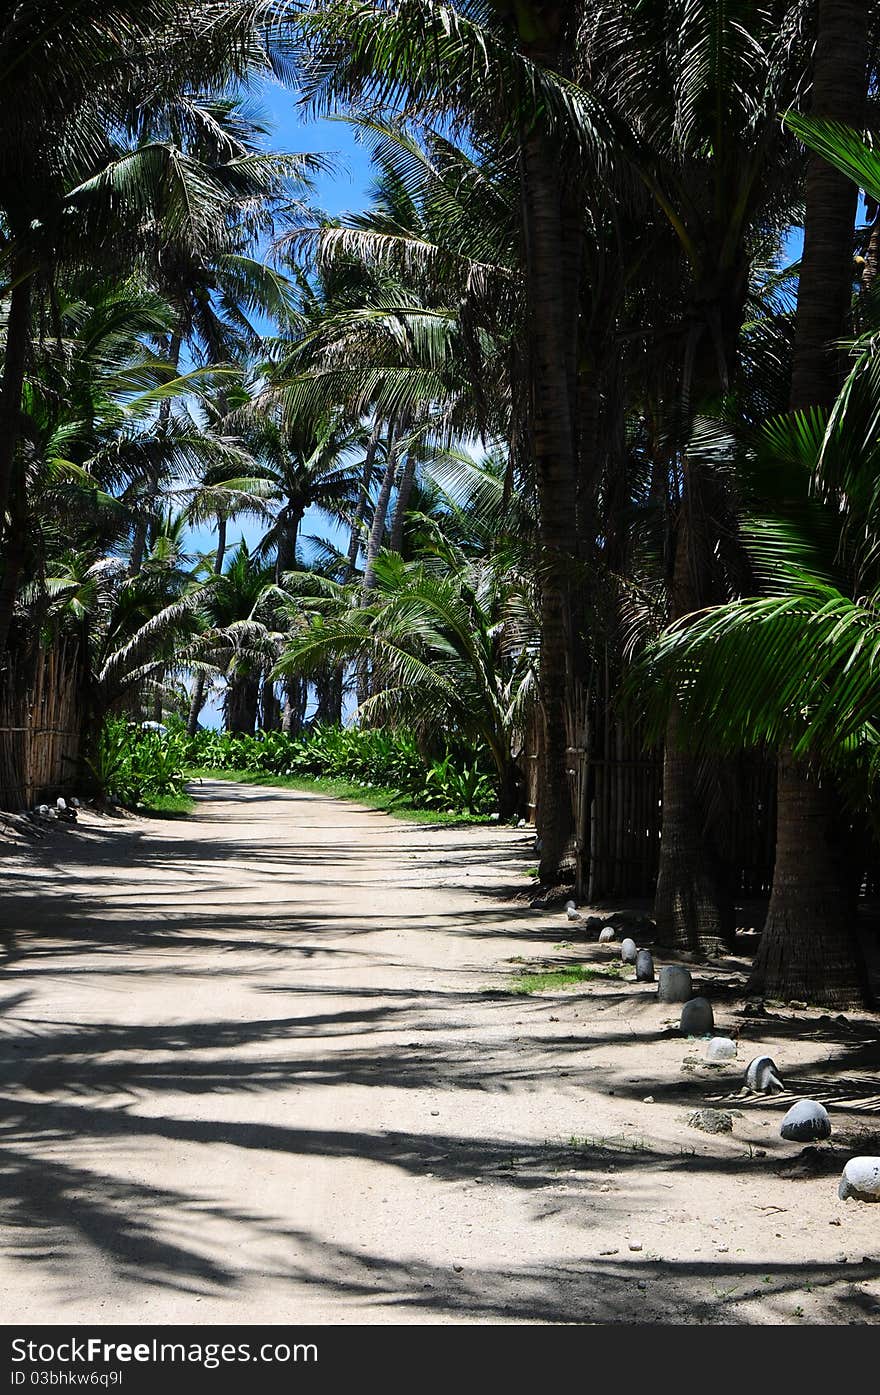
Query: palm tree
(205, 268)
(454, 647)
(692, 93)
(700, 132)
(88, 407)
(238, 637)
(798, 669)
(431, 55)
(807, 936)
(130, 630)
(78, 185)
(220, 497)
(404, 325)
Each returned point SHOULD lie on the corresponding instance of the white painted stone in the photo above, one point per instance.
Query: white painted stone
(762, 1075)
(806, 1122)
(628, 951)
(861, 1180)
(721, 1049)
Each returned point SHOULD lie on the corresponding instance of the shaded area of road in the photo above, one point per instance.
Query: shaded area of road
(256, 1066)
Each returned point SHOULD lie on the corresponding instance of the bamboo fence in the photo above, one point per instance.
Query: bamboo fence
(616, 789)
(39, 726)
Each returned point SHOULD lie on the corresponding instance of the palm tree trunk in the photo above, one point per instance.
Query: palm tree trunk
(687, 902)
(872, 256)
(270, 707)
(198, 696)
(377, 532)
(294, 708)
(826, 272)
(18, 330)
(288, 536)
(551, 272)
(511, 791)
(18, 325)
(329, 694)
(404, 490)
(808, 949)
(374, 546)
(15, 553)
(141, 527)
(687, 905)
(220, 554)
(554, 454)
(363, 495)
(197, 702)
(241, 703)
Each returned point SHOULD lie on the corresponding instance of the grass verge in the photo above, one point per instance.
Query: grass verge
(560, 978)
(388, 800)
(167, 806)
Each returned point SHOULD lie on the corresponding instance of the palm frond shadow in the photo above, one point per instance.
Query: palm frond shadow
(145, 1233)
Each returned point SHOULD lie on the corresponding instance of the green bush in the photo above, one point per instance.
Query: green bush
(449, 786)
(133, 766)
(457, 783)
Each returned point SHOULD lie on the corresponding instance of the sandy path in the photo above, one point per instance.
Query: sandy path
(251, 1073)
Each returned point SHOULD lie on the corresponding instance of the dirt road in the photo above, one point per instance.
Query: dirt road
(256, 1067)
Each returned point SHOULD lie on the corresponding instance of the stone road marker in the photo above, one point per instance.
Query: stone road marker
(675, 984)
(806, 1122)
(861, 1180)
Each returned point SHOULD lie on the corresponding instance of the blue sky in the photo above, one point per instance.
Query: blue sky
(345, 188)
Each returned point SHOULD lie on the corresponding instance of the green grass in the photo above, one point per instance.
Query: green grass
(388, 800)
(167, 806)
(560, 978)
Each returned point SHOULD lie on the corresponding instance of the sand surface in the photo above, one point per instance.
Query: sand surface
(258, 1066)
